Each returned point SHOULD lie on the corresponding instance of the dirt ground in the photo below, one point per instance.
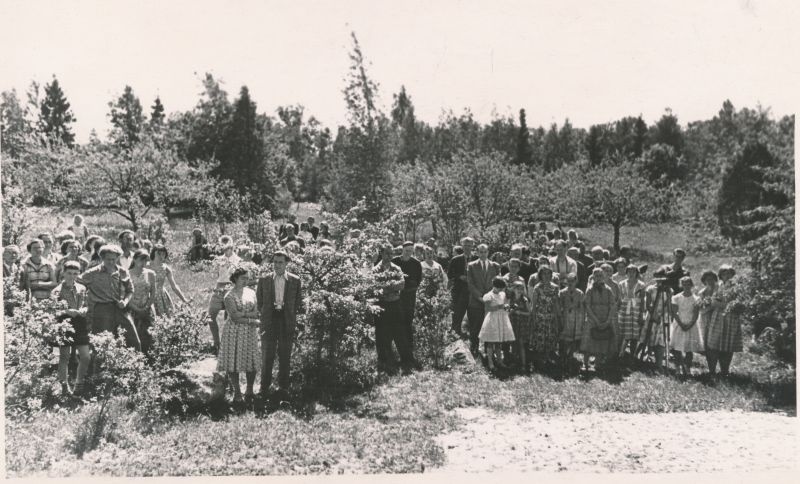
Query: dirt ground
(617, 442)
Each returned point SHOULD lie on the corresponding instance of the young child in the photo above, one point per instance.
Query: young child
(75, 296)
(520, 314)
(496, 328)
(79, 229)
(685, 334)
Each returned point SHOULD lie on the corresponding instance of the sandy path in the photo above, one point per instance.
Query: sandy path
(617, 442)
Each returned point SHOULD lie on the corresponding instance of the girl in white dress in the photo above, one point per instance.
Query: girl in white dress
(496, 328)
(686, 336)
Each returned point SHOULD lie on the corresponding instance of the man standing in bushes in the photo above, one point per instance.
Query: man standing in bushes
(412, 271)
(457, 275)
(280, 299)
(389, 323)
(126, 242)
(479, 280)
(109, 290)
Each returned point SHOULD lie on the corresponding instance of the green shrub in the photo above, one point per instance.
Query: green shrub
(178, 338)
(432, 323)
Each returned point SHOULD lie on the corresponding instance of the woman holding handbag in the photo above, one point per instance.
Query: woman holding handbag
(598, 332)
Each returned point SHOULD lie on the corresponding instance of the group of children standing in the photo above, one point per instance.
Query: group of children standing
(618, 316)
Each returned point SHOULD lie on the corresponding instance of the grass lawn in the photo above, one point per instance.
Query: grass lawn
(392, 427)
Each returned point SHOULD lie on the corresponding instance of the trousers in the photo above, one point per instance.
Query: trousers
(109, 317)
(277, 337)
(389, 327)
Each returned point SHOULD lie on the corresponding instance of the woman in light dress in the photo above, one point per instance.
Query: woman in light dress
(141, 304)
(163, 302)
(496, 328)
(686, 337)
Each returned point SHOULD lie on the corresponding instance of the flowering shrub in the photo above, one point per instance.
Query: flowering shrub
(29, 379)
(432, 322)
(177, 338)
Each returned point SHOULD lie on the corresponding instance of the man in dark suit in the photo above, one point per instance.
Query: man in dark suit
(457, 275)
(313, 229)
(412, 270)
(280, 299)
(524, 266)
(479, 280)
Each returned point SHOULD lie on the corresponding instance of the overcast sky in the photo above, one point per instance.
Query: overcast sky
(590, 61)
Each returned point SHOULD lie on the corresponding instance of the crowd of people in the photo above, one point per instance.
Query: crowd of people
(535, 306)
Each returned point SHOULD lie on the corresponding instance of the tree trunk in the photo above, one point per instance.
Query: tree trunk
(617, 226)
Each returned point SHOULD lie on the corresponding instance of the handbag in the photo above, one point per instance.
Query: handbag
(601, 333)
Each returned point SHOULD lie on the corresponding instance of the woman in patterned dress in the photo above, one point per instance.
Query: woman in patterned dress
(631, 309)
(163, 302)
(239, 350)
(545, 316)
(141, 303)
(725, 326)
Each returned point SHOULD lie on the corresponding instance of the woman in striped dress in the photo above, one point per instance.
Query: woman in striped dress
(631, 309)
(725, 326)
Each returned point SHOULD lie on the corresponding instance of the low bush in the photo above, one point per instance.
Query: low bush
(178, 338)
(432, 322)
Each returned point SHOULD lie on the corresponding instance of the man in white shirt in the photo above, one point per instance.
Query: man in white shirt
(280, 299)
(126, 243)
(225, 264)
(562, 264)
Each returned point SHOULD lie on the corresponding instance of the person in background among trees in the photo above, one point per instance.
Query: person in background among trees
(288, 229)
(433, 271)
(291, 219)
(457, 274)
(239, 351)
(48, 253)
(146, 244)
(144, 293)
(324, 231)
(71, 250)
(158, 263)
(725, 326)
(626, 253)
(126, 242)
(528, 265)
(64, 236)
(75, 296)
(79, 229)
(314, 230)
(199, 249)
(583, 271)
(304, 234)
(38, 275)
(630, 313)
(572, 238)
(109, 290)
(480, 274)
(11, 261)
(685, 335)
(225, 264)
(562, 264)
(412, 269)
(419, 251)
(94, 243)
(389, 325)
(675, 271)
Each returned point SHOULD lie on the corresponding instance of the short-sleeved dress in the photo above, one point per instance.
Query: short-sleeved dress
(545, 334)
(574, 314)
(601, 301)
(691, 340)
(163, 302)
(521, 323)
(496, 326)
(724, 327)
(631, 305)
(659, 313)
(239, 350)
